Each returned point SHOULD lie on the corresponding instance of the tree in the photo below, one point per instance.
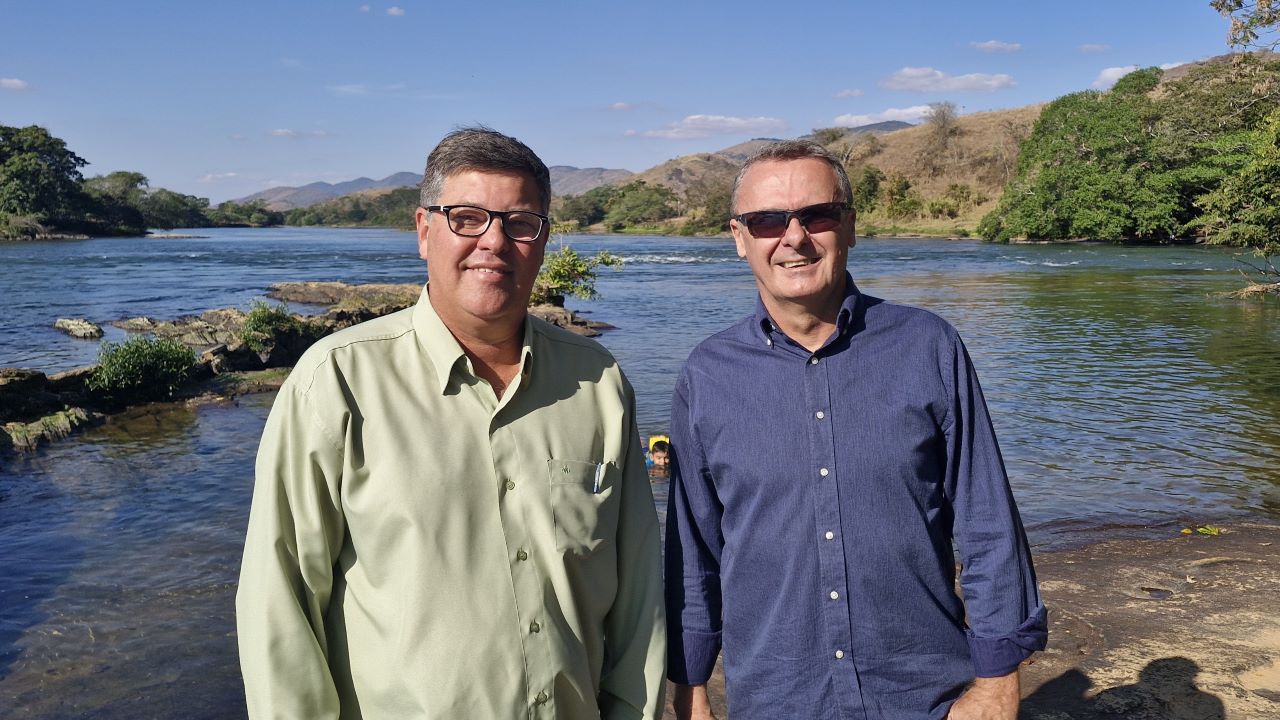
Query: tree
(167, 209)
(116, 202)
(1253, 23)
(1245, 209)
(39, 177)
(827, 136)
(587, 208)
(639, 203)
(708, 199)
(866, 188)
(941, 121)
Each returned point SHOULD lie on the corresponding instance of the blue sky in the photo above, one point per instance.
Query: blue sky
(222, 99)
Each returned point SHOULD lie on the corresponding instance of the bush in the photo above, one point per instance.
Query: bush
(144, 368)
(264, 322)
(565, 272)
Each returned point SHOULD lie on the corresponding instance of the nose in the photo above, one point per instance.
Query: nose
(795, 234)
(493, 239)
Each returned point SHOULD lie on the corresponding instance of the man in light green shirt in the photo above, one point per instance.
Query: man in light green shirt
(452, 517)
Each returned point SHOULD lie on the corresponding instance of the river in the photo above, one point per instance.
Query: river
(1129, 398)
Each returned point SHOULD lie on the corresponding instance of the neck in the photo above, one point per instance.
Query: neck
(807, 329)
(493, 347)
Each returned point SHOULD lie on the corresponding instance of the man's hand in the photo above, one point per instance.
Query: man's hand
(993, 698)
(692, 703)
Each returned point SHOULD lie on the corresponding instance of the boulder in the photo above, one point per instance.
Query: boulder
(78, 328)
(138, 324)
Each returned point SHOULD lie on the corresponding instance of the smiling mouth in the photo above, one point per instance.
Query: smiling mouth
(798, 263)
(488, 271)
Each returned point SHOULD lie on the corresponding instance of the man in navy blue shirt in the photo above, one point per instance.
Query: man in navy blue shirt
(832, 451)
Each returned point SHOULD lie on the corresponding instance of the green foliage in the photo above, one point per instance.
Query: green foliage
(827, 136)
(866, 188)
(942, 208)
(586, 209)
(116, 199)
(142, 368)
(565, 272)
(901, 202)
(250, 214)
(639, 203)
(388, 209)
(167, 209)
(264, 322)
(708, 198)
(39, 177)
(1245, 209)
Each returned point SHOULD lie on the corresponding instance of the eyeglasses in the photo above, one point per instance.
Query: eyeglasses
(770, 224)
(472, 221)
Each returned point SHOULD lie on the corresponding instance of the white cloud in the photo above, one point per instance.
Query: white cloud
(1109, 76)
(996, 46)
(622, 106)
(1172, 65)
(214, 177)
(701, 126)
(1094, 48)
(926, 79)
(297, 134)
(364, 8)
(349, 89)
(13, 84)
(395, 11)
(908, 114)
(849, 93)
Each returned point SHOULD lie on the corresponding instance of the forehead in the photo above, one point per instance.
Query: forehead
(773, 180)
(476, 184)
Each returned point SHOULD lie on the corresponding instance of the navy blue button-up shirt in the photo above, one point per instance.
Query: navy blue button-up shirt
(815, 497)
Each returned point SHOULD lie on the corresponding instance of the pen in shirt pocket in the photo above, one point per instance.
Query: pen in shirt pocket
(599, 482)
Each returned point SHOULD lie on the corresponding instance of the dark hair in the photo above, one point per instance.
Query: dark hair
(794, 150)
(660, 446)
(484, 149)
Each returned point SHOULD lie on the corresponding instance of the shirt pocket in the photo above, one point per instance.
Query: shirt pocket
(584, 504)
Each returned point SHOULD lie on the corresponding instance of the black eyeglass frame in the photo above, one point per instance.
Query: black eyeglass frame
(804, 215)
(543, 221)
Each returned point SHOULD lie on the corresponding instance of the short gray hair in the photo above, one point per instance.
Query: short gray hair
(784, 150)
(486, 150)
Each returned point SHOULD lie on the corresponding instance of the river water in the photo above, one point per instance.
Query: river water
(1129, 399)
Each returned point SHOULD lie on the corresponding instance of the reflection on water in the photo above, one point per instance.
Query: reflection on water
(121, 551)
(1125, 396)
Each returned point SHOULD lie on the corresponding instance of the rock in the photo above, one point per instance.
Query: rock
(215, 327)
(28, 436)
(138, 324)
(387, 297)
(24, 393)
(568, 320)
(79, 328)
(71, 380)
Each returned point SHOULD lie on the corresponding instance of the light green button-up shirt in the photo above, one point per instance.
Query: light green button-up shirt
(418, 548)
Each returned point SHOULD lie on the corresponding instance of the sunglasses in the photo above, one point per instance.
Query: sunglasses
(822, 217)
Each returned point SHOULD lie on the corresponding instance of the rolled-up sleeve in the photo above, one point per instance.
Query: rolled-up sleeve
(295, 533)
(1006, 618)
(694, 544)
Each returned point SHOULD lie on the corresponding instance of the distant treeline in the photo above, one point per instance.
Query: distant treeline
(1153, 161)
(43, 192)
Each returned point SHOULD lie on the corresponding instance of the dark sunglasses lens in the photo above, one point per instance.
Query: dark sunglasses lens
(522, 226)
(766, 224)
(821, 218)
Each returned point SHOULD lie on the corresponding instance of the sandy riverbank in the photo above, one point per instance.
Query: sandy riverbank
(1180, 628)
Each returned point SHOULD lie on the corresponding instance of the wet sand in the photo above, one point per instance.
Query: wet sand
(1181, 628)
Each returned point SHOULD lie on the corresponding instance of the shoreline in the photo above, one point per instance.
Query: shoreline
(1181, 627)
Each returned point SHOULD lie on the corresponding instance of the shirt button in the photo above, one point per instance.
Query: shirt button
(534, 627)
(511, 484)
(813, 361)
(540, 698)
(521, 555)
(768, 341)
(823, 472)
(839, 654)
(819, 414)
(831, 535)
(835, 595)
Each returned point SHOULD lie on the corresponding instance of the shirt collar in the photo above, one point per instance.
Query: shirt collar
(848, 306)
(442, 347)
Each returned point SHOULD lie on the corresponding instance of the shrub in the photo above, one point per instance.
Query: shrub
(264, 322)
(143, 367)
(565, 272)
